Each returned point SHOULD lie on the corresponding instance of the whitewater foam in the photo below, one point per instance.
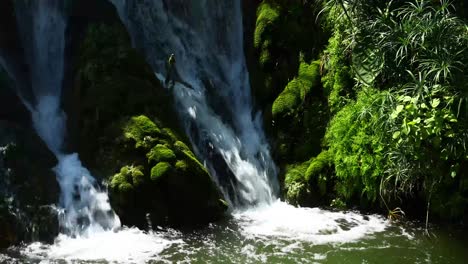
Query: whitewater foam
(314, 225)
(129, 245)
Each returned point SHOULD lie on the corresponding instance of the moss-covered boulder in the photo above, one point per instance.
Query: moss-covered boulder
(163, 178)
(293, 97)
(128, 134)
(310, 183)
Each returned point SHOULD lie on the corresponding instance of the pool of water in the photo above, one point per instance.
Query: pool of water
(278, 233)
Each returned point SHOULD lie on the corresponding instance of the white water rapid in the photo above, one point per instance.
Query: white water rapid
(42, 25)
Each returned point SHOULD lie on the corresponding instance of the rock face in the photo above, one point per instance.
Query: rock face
(11, 53)
(283, 45)
(28, 188)
(128, 133)
(27, 184)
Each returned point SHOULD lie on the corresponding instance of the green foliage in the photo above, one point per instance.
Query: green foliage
(337, 81)
(415, 37)
(357, 145)
(292, 98)
(338, 203)
(160, 153)
(411, 135)
(159, 170)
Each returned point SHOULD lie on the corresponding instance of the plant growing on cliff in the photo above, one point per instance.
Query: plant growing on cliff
(416, 129)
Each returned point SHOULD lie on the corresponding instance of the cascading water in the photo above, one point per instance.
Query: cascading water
(207, 40)
(42, 29)
(212, 89)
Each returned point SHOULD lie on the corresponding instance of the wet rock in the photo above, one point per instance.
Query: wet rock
(129, 133)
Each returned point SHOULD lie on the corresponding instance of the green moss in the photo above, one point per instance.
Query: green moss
(141, 129)
(194, 163)
(125, 187)
(288, 100)
(120, 182)
(296, 173)
(128, 178)
(138, 177)
(179, 145)
(267, 15)
(161, 169)
(170, 134)
(181, 165)
(322, 161)
(267, 21)
(295, 93)
(160, 153)
(117, 179)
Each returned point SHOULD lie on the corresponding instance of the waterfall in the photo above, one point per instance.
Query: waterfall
(42, 27)
(211, 88)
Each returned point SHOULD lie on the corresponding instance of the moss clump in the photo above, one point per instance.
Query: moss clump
(267, 16)
(295, 184)
(193, 161)
(296, 173)
(181, 146)
(118, 180)
(161, 169)
(138, 177)
(128, 178)
(160, 153)
(181, 165)
(320, 171)
(295, 93)
(141, 129)
(317, 165)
